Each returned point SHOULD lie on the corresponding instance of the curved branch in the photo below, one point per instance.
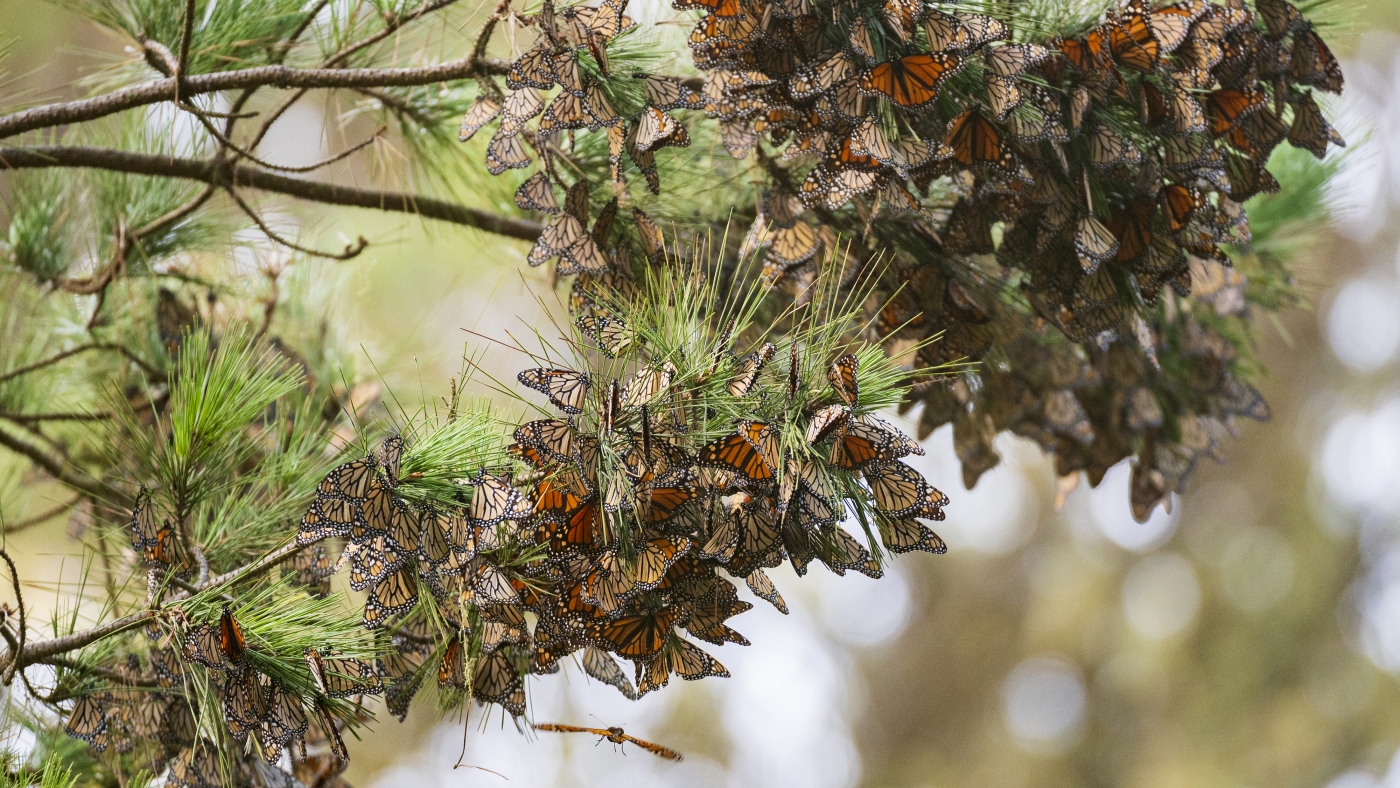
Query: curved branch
(276, 76)
(351, 250)
(57, 357)
(23, 625)
(226, 175)
(56, 467)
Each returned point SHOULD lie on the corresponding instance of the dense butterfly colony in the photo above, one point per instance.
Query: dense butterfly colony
(1101, 169)
(675, 460)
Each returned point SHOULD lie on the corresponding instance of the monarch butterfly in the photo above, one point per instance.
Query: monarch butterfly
(1107, 149)
(762, 587)
(544, 443)
(647, 385)
(1170, 24)
(653, 242)
(645, 161)
(751, 452)
(1130, 38)
(342, 677)
(453, 670)
(899, 491)
(505, 153)
(913, 81)
(495, 680)
(372, 561)
(682, 658)
(1132, 226)
(634, 637)
(844, 552)
(858, 445)
(1248, 178)
(520, 106)
(860, 39)
(614, 735)
(707, 619)
(395, 594)
(231, 641)
(155, 542)
(1087, 54)
(1258, 134)
(904, 444)
(656, 558)
(1280, 17)
(1226, 107)
(725, 9)
(601, 112)
(749, 368)
(975, 140)
(1312, 62)
(483, 111)
(657, 129)
(88, 721)
(599, 665)
(1093, 243)
(246, 701)
(1012, 60)
(285, 720)
(842, 375)
(565, 112)
(532, 69)
(1003, 95)
(565, 388)
(388, 457)
(332, 731)
(668, 93)
(1310, 130)
(959, 32)
(313, 569)
(823, 77)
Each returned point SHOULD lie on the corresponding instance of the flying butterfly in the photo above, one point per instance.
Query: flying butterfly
(614, 735)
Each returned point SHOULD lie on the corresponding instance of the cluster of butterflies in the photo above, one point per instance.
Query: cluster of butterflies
(571, 54)
(155, 708)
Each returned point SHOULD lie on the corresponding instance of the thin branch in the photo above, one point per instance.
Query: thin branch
(390, 27)
(57, 357)
(25, 418)
(175, 215)
(351, 250)
(253, 157)
(278, 76)
(285, 49)
(23, 625)
(484, 37)
(185, 35)
(57, 468)
(115, 676)
(41, 517)
(225, 175)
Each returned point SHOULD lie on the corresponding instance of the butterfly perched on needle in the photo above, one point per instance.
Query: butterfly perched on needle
(615, 735)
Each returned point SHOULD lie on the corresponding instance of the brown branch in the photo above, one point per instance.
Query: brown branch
(186, 35)
(277, 76)
(351, 250)
(226, 175)
(41, 517)
(32, 417)
(18, 648)
(390, 27)
(45, 650)
(115, 676)
(57, 468)
(57, 357)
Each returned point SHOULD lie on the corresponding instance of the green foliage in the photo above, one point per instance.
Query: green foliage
(39, 237)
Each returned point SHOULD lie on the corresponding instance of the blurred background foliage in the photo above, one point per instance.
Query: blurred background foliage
(1249, 638)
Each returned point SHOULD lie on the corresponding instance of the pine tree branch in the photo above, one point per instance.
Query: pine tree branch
(226, 175)
(57, 357)
(46, 650)
(277, 76)
(33, 417)
(41, 517)
(58, 468)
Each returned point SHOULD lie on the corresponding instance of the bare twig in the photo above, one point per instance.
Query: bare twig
(41, 517)
(278, 76)
(32, 417)
(225, 174)
(57, 357)
(182, 68)
(281, 55)
(14, 665)
(351, 250)
(391, 26)
(255, 159)
(60, 470)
